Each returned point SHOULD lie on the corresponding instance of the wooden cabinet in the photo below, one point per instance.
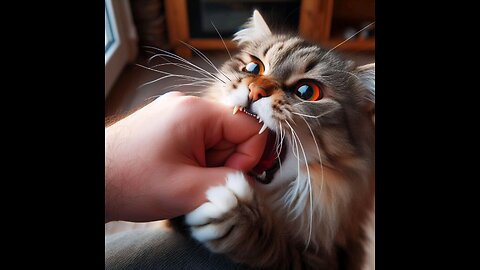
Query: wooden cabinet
(327, 22)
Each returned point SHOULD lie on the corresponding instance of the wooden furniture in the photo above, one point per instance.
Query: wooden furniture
(321, 21)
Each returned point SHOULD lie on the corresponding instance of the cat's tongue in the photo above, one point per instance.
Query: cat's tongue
(268, 161)
(268, 157)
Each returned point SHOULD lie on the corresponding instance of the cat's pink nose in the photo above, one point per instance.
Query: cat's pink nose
(261, 87)
(256, 92)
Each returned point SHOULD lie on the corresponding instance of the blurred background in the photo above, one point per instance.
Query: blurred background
(135, 30)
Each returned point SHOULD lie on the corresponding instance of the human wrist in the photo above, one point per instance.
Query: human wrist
(112, 194)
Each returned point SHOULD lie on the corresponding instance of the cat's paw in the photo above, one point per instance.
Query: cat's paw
(229, 207)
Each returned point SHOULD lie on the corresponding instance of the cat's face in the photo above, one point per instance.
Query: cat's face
(317, 107)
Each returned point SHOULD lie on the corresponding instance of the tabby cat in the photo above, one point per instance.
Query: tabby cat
(312, 206)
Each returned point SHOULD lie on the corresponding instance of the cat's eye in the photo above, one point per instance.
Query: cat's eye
(255, 67)
(308, 90)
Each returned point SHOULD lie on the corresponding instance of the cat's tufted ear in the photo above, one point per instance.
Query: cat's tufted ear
(366, 74)
(255, 29)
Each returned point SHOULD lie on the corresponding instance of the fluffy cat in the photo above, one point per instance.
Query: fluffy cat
(312, 206)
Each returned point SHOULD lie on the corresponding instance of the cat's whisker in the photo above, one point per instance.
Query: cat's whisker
(343, 42)
(293, 141)
(292, 193)
(295, 148)
(304, 101)
(225, 45)
(294, 196)
(152, 97)
(309, 186)
(348, 72)
(180, 85)
(162, 78)
(319, 157)
(312, 116)
(186, 67)
(196, 84)
(205, 58)
(315, 141)
(194, 81)
(191, 68)
(193, 92)
(186, 77)
(181, 59)
(154, 81)
(279, 143)
(198, 69)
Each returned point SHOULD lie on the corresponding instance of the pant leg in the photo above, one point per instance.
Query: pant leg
(151, 248)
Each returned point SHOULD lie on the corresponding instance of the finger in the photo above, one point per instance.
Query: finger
(242, 130)
(218, 124)
(247, 154)
(198, 180)
(218, 155)
(240, 127)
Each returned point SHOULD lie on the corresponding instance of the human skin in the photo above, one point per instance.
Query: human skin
(160, 160)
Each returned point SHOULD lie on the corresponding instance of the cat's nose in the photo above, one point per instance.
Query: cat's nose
(261, 88)
(256, 92)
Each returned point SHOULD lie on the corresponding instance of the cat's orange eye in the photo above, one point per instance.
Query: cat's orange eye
(308, 90)
(255, 67)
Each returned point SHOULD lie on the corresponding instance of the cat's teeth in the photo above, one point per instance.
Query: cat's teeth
(235, 109)
(263, 175)
(259, 120)
(262, 129)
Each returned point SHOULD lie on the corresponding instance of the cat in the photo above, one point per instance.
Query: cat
(312, 205)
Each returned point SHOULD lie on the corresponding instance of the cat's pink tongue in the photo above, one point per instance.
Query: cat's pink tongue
(269, 155)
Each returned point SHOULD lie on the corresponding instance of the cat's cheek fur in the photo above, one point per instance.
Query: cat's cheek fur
(263, 108)
(214, 219)
(238, 96)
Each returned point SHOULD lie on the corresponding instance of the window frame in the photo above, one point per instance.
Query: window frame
(124, 48)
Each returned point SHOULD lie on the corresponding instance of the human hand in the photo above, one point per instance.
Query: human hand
(160, 160)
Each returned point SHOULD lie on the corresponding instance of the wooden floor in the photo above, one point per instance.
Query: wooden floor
(128, 93)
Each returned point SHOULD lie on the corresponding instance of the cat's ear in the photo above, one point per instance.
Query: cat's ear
(255, 29)
(366, 74)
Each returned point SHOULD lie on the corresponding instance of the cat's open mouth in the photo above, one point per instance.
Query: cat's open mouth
(269, 164)
(270, 161)
(245, 110)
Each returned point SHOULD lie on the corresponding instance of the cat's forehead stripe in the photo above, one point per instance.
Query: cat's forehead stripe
(275, 47)
(311, 64)
(290, 50)
(267, 48)
(296, 58)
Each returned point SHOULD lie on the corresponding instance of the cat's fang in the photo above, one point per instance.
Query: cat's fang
(262, 176)
(262, 129)
(235, 109)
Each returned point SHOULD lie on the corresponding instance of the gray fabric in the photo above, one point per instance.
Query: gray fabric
(155, 249)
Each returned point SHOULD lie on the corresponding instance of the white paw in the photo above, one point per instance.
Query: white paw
(211, 220)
